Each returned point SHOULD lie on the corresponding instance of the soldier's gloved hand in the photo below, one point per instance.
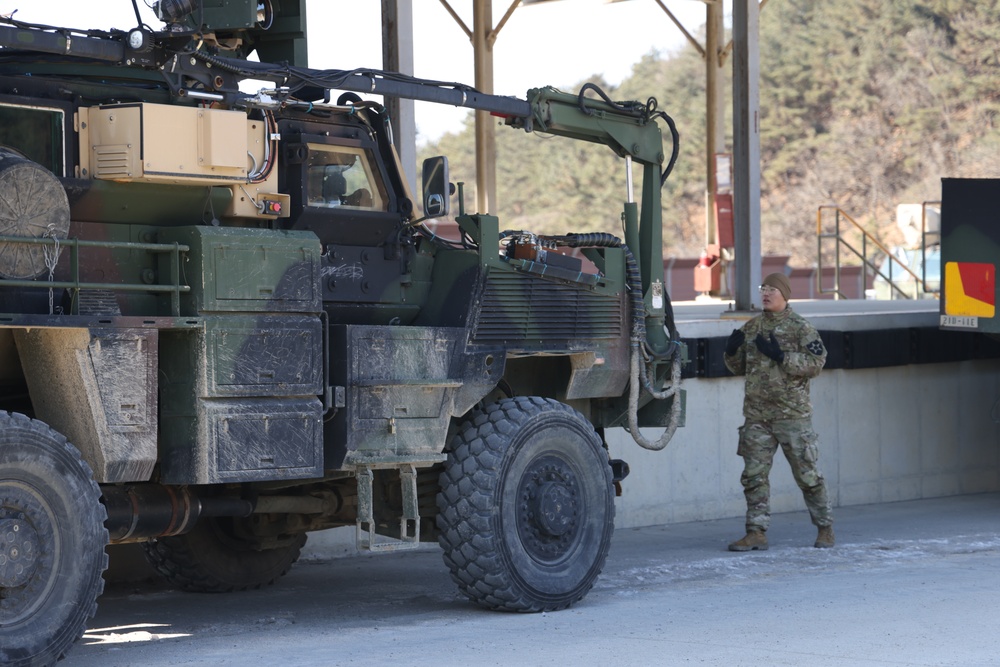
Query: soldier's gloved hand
(770, 348)
(735, 340)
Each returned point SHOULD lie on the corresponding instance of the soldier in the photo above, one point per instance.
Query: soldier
(779, 352)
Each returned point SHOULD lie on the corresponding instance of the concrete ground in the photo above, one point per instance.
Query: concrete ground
(909, 583)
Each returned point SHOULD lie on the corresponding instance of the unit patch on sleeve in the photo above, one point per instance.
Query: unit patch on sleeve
(816, 347)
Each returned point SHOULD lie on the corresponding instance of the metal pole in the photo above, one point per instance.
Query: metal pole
(486, 176)
(746, 147)
(836, 262)
(864, 266)
(819, 250)
(714, 116)
(397, 56)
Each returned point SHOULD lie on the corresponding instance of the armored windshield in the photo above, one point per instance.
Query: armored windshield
(343, 176)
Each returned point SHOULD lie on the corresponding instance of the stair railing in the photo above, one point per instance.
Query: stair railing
(842, 224)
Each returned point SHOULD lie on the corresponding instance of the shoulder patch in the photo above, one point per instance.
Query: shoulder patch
(816, 347)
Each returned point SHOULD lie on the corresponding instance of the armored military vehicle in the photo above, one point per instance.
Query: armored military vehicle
(225, 322)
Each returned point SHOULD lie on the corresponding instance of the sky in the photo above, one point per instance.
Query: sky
(552, 43)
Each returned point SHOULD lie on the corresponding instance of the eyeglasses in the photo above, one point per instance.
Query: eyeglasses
(767, 289)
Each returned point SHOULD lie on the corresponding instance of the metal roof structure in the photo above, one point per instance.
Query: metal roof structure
(397, 40)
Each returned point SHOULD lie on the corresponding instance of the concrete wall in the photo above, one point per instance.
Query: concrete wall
(886, 434)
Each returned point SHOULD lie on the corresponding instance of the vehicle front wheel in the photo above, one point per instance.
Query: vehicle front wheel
(526, 507)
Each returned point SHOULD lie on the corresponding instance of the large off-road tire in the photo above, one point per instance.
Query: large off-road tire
(216, 558)
(526, 507)
(52, 541)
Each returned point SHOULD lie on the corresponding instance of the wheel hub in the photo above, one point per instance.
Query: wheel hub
(548, 509)
(552, 500)
(18, 553)
(27, 545)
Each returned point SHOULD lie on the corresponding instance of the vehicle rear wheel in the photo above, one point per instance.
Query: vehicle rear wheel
(526, 507)
(52, 540)
(218, 557)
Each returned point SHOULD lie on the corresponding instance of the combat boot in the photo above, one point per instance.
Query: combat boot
(754, 540)
(825, 538)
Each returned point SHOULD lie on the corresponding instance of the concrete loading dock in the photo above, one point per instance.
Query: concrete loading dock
(903, 411)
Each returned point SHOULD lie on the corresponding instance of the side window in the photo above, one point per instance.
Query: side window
(36, 133)
(343, 176)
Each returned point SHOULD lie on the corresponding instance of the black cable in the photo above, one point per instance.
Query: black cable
(645, 111)
(135, 8)
(636, 109)
(675, 139)
(632, 278)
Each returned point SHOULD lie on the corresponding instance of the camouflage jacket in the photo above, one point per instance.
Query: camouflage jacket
(778, 391)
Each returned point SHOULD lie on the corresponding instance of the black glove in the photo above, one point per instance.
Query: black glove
(735, 340)
(770, 348)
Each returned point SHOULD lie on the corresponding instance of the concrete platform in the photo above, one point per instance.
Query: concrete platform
(706, 319)
(904, 411)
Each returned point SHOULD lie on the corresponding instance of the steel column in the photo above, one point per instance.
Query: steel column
(746, 148)
(482, 42)
(715, 137)
(397, 56)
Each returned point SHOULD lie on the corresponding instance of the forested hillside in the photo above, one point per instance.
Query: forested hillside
(864, 104)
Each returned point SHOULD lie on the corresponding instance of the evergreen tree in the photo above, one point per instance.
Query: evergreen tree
(864, 104)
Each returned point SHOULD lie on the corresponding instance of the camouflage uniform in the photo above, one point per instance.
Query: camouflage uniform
(778, 412)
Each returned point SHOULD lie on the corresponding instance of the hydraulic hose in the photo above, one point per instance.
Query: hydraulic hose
(645, 111)
(633, 279)
(637, 366)
(669, 392)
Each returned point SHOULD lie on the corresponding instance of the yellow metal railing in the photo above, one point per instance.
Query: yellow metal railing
(843, 224)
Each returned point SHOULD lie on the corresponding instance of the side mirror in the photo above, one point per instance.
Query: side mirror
(437, 187)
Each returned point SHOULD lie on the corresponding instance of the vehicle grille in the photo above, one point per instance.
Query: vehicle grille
(518, 307)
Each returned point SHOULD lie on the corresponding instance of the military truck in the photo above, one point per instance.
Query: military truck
(225, 322)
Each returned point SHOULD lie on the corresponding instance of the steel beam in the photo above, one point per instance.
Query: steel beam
(746, 149)
(397, 56)
(482, 43)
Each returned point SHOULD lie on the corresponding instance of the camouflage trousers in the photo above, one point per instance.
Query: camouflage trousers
(758, 443)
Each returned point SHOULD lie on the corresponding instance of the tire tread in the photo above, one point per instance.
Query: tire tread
(465, 508)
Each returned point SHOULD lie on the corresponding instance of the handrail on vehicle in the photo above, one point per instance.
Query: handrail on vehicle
(174, 287)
